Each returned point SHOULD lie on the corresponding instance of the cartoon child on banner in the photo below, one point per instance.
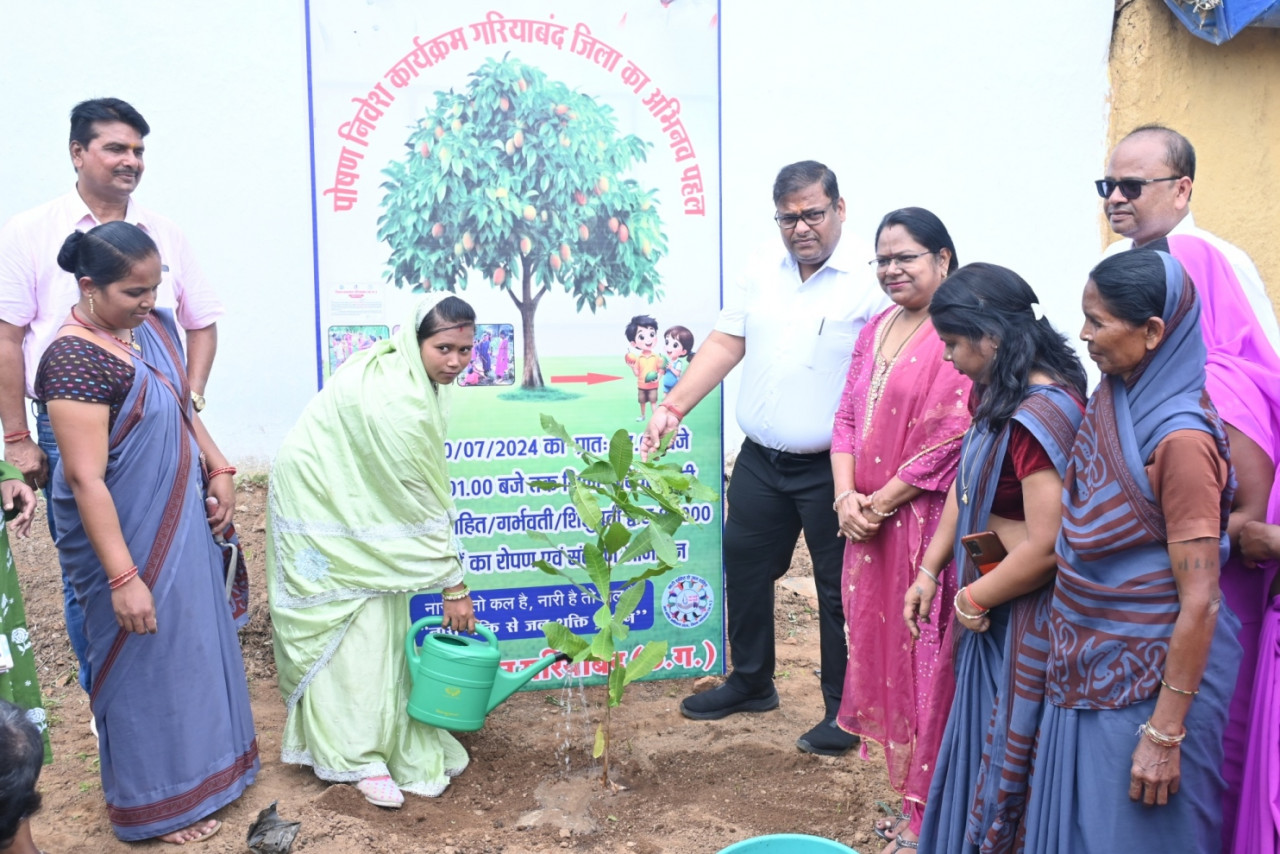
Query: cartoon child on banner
(679, 346)
(647, 365)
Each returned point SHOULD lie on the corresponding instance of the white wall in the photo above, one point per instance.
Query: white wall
(995, 121)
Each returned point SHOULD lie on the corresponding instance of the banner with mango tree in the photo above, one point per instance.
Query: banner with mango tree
(557, 167)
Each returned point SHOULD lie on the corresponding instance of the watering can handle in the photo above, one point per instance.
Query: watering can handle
(410, 641)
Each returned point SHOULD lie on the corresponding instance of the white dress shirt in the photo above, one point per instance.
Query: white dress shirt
(799, 339)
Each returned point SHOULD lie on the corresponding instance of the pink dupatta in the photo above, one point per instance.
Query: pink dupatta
(898, 691)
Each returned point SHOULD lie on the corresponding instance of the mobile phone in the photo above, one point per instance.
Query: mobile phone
(986, 550)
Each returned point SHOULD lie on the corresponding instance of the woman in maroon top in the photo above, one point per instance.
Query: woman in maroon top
(1028, 399)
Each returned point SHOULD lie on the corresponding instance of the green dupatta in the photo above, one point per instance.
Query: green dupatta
(359, 502)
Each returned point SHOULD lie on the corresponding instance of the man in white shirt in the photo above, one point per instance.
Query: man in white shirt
(36, 294)
(1147, 190)
(792, 322)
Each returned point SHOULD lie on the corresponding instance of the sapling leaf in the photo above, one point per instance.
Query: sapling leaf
(616, 536)
(555, 428)
(620, 453)
(560, 638)
(539, 537)
(641, 543)
(670, 522)
(600, 742)
(699, 491)
(617, 681)
(643, 662)
(628, 601)
(663, 545)
(599, 472)
(587, 505)
(602, 617)
(544, 484)
(619, 630)
(602, 648)
(598, 569)
(552, 570)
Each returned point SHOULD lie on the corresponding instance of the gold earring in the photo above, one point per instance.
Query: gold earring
(91, 303)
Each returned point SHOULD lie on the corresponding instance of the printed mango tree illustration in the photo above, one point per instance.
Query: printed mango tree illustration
(523, 180)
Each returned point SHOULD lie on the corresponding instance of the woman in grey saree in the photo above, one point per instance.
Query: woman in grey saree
(167, 689)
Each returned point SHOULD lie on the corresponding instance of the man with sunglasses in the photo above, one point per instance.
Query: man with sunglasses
(1147, 193)
(791, 321)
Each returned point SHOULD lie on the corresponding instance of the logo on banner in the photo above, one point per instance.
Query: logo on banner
(687, 601)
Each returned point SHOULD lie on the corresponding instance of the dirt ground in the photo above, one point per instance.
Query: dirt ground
(693, 787)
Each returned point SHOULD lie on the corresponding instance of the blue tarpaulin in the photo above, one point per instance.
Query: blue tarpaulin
(1218, 20)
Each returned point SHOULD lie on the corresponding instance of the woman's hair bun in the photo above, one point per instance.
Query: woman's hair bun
(69, 254)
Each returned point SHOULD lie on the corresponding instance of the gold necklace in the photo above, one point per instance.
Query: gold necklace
(883, 366)
(131, 343)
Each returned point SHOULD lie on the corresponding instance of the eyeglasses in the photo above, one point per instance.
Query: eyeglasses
(789, 221)
(900, 260)
(1130, 188)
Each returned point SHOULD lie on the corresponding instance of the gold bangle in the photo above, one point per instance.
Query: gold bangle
(1159, 738)
(1179, 690)
(456, 595)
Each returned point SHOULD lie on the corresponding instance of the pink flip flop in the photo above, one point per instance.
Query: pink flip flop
(381, 792)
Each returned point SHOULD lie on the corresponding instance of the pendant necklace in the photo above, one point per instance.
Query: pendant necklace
(131, 344)
(964, 482)
(883, 365)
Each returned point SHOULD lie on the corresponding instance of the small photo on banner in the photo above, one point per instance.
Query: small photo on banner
(346, 341)
(492, 356)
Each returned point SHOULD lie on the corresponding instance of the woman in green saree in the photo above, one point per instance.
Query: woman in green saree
(359, 521)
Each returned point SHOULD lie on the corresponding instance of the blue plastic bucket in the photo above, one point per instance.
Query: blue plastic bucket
(788, 843)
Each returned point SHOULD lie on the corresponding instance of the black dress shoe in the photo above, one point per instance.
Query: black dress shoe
(724, 701)
(827, 739)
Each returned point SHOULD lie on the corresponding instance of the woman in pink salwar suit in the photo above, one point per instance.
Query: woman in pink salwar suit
(894, 454)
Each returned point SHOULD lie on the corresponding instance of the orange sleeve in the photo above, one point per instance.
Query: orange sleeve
(1187, 476)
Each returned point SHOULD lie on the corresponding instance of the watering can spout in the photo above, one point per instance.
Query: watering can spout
(507, 683)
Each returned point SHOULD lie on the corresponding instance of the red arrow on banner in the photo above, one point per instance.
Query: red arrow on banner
(588, 378)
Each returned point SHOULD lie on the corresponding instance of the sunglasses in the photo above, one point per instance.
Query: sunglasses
(1130, 188)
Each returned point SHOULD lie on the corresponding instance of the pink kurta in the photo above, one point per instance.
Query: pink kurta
(898, 691)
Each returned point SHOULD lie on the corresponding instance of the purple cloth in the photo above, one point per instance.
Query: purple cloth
(1258, 828)
(176, 738)
(1243, 379)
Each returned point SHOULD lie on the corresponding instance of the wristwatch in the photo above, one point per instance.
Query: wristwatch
(197, 401)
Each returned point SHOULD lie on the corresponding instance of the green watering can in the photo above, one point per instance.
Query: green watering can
(457, 680)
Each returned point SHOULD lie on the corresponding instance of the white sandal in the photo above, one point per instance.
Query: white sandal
(381, 792)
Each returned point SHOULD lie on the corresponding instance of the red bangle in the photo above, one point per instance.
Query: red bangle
(975, 605)
(231, 470)
(123, 578)
(673, 408)
(17, 436)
